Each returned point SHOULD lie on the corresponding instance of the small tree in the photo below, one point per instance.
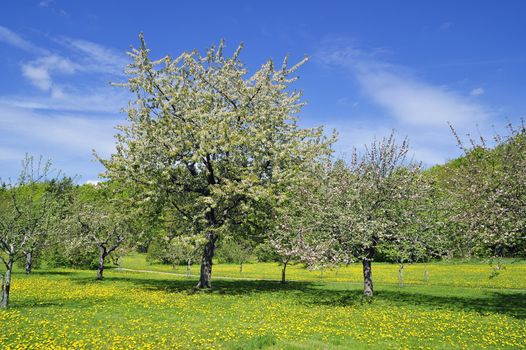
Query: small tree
(236, 251)
(488, 189)
(288, 243)
(208, 142)
(177, 249)
(303, 222)
(25, 208)
(96, 222)
(377, 198)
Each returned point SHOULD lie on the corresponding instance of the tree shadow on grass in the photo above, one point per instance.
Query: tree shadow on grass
(510, 303)
(50, 273)
(507, 303)
(220, 286)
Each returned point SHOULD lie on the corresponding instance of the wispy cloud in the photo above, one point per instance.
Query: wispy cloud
(100, 100)
(416, 102)
(73, 133)
(72, 109)
(96, 57)
(9, 37)
(412, 105)
(477, 92)
(45, 3)
(81, 56)
(39, 71)
(445, 26)
(405, 97)
(66, 138)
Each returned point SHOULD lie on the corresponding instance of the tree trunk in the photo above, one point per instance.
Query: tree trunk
(240, 267)
(283, 272)
(426, 275)
(400, 275)
(29, 262)
(6, 285)
(100, 269)
(367, 278)
(1, 290)
(188, 263)
(205, 279)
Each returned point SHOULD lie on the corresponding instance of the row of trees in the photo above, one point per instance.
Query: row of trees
(221, 153)
(210, 154)
(43, 213)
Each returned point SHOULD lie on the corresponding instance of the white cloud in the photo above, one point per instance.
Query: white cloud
(416, 102)
(71, 112)
(414, 107)
(410, 100)
(67, 133)
(82, 57)
(38, 71)
(477, 92)
(446, 26)
(96, 57)
(66, 138)
(92, 182)
(45, 3)
(38, 76)
(9, 37)
(101, 100)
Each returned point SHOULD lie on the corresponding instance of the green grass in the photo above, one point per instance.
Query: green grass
(458, 274)
(69, 309)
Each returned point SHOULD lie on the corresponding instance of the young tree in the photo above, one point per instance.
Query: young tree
(25, 207)
(488, 189)
(209, 142)
(376, 200)
(177, 249)
(301, 227)
(288, 242)
(237, 251)
(96, 222)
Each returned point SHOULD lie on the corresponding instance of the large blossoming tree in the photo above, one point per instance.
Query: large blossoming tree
(210, 142)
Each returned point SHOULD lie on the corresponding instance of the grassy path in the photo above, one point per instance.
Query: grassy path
(475, 275)
(195, 276)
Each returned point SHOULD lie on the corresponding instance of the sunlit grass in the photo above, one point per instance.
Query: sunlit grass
(511, 276)
(69, 309)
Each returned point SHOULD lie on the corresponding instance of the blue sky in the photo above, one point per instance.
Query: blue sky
(375, 66)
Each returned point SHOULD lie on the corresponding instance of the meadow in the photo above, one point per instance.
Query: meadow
(461, 307)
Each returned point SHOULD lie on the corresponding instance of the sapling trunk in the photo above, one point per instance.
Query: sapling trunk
(2, 290)
(6, 285)
(240, 267)
(188, 263)
(29, 262)
(284, 271)
(401, 275)
(426, 275)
